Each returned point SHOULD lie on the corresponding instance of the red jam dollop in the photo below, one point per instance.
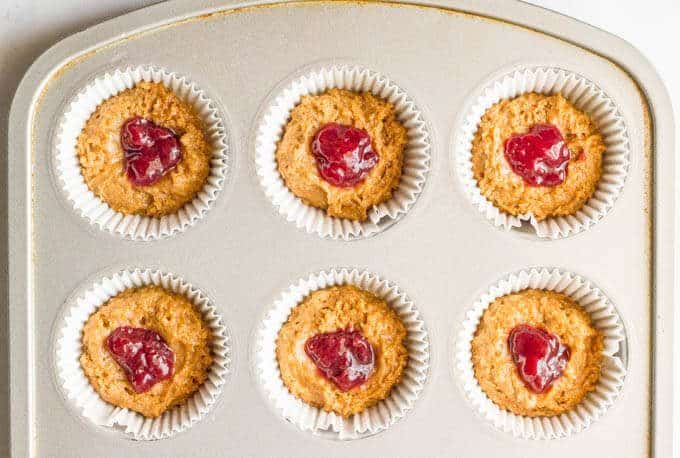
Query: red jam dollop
(344, 154)
(151, 151)
(143, 355)
(540, 156)
(344, 357)
(539, 356)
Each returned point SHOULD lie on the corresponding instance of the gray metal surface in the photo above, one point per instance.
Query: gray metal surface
(442, 254)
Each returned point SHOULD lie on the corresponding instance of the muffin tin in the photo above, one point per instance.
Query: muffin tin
(443, 253)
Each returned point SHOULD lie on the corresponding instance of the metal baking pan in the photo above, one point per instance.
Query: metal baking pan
(242, 254)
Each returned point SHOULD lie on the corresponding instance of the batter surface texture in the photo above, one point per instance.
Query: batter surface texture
(557, 313)
(507, 190)
(102, 158)
(328, 310)
(175, 319)
(361, 110)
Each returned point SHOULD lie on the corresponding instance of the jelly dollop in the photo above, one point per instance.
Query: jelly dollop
(151, 151)
(540, 156)
(539, 356)
(143, 354)
(344, 357)
(344, 154)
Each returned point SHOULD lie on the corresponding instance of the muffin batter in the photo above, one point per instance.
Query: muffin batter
(102, 158)
(507, 190)
(364, 111)
(329, 310)
(557, 313)
(176, 320)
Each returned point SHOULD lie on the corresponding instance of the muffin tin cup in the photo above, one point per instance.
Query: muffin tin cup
(603, 316)
(315, 220)
(328, 424)
(586, 96)
(82, 396)
(97, 211)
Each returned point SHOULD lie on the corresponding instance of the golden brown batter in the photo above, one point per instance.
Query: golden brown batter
(365, 111)
(507, 190)
(328, 310)
(102, 158)
(559, 314)
(175, 319)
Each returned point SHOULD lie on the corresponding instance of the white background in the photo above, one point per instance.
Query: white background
(29, 27)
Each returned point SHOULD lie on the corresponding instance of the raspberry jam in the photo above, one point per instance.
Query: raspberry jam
(150, 150)
(539, 356)
(540, 156)
(143, 355)
(344, 357)
(344, 154)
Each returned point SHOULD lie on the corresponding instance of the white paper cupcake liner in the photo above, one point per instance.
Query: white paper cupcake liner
(586, 96)
(329, 424)
(98, 212)
(604, 317)
(416, 152)
(81, 395)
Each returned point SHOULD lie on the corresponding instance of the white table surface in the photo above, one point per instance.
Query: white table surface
(29, 27)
